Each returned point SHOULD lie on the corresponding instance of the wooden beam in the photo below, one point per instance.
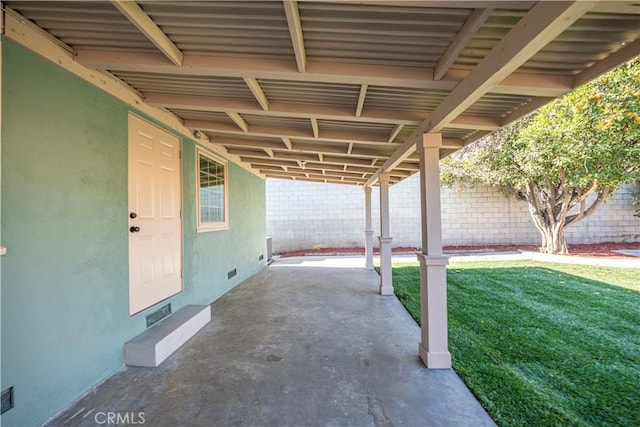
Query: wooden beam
(248, 143)
(141, 20)
(287, 142)
(210, 126)
(268, 161)
(279, 155)
(466, 33)
(361, 98)
(475, 122)
(269, 151)
(255, 130)
(281, 109)
(314, 126)
(319, 148)
(544, 22)
(257, 92)
(372, 153)
(238, 120)
(346, 160)
(525, 84)
(317, 71)
(295, 30)
(272, 168)
(452, 143)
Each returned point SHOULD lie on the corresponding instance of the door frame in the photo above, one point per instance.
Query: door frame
(133, 116)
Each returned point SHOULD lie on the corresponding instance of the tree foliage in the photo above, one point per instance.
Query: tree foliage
(587, 142)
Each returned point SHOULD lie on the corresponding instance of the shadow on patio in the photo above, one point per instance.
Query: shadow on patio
(292, 346)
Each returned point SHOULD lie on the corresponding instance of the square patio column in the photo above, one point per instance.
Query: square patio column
(434, 347)
(386, 287)
(368, 231)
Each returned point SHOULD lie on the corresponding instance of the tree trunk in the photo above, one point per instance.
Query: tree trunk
(553, 241)
(549, 208)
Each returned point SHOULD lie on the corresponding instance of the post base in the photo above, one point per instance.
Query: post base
(385, 291)
(435, 360)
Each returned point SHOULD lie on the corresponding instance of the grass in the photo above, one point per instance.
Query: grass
(543, 344)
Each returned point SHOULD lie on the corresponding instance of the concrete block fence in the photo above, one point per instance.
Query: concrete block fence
(303, 215)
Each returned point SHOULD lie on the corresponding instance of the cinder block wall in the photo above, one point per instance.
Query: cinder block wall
(303, 215)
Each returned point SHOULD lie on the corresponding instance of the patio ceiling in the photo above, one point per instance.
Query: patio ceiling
(340, 91)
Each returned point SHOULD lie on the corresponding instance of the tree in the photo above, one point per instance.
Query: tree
(585, 143)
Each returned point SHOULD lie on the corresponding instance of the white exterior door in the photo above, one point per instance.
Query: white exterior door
(155, 223)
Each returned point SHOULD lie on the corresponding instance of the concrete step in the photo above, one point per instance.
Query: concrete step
(158, 342)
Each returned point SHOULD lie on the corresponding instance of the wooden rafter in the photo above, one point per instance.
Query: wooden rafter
(466, 33)
(145, 24)
(257, 92)
(287, 142)
(361, 98)
(395, 132)
(295, 29)
(238, 120)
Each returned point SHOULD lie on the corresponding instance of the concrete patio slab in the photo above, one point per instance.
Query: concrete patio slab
(305, 342)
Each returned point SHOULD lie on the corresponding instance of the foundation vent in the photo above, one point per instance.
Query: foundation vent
(158, 315)
(7, 400)
(232, 273)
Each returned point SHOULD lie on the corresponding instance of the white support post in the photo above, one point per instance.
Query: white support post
(386, 286)
(368, 231)
(433, 349)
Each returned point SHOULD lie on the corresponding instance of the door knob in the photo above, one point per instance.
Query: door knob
(133, 215)
(134, 229)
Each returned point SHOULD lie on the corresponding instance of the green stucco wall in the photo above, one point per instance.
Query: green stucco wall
(64, 212)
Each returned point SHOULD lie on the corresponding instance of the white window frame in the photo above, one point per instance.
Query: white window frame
(211, 226)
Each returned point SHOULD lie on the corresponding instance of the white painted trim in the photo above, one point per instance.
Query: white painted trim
(211, 226)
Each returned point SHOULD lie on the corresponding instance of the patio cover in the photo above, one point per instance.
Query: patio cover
(337, 91)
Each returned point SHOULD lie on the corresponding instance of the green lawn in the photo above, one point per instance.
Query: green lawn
(543, 344)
